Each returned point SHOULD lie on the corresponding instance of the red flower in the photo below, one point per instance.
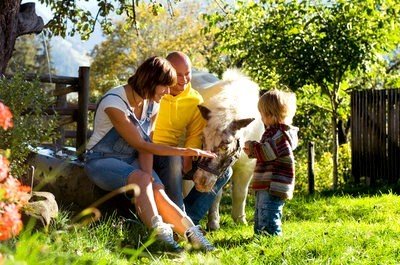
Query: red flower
(5, 117)
(10, 221)
(13, 195)
(3, 168)
(14, 192)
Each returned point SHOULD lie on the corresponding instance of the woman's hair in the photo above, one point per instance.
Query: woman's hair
(151, 73)
(279, 105)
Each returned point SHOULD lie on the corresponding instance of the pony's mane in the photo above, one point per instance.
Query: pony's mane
(233, 74)
(235, 97)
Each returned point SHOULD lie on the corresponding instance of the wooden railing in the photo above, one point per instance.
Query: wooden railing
(70, 113)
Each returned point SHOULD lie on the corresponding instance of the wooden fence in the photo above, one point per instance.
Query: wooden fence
(70, 113)
(375, 136)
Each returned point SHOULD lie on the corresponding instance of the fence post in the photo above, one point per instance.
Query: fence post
(82, 115)
(311, 175)
(61, 101)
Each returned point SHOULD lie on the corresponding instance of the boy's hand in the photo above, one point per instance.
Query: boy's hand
(246, 147)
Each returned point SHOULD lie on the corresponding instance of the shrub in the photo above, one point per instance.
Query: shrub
(323, 170)
(32, 126)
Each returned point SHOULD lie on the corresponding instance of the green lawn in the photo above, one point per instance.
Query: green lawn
(317, 230)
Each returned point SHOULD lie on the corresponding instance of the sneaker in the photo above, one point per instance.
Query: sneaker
(164, 233)
(195, 237)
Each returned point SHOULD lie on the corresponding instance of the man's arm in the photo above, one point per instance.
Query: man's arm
(194, 132)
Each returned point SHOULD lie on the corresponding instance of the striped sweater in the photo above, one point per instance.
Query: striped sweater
(275, 169)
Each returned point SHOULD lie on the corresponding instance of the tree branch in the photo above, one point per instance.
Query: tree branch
(28, 21)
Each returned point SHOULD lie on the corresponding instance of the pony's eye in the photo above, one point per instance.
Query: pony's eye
(223, 147)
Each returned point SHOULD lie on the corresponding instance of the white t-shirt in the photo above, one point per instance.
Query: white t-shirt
(102, 123)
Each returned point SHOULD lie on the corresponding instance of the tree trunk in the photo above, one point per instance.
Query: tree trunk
(15, 20)
(8, 30)
(335, 153)
(335, 142)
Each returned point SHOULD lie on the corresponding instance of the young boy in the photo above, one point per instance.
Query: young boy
(274, 174)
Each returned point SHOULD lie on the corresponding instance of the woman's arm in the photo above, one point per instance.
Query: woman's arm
(146, 159)
(130, 133)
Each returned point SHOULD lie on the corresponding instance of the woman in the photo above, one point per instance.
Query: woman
(120, 151)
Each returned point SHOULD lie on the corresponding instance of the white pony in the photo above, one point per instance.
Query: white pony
(230, 107)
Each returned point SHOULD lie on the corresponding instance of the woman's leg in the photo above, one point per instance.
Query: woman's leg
(111, 174)
(181, 223)
(144, 201)
(169, 170)
(170, 212)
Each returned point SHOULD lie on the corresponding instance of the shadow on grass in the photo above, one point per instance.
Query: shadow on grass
(232, 241)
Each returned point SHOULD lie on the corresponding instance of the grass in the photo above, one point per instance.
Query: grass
(317, 230)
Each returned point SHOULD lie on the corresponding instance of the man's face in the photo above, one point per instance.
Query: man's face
(160, 91)
(184, 74)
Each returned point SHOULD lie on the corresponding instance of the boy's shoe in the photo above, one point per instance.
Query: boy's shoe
(164, 234)
(195, 237)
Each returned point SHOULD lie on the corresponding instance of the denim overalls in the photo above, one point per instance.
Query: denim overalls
(110, 162)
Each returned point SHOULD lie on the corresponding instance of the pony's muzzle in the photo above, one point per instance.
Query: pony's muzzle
(204, 182)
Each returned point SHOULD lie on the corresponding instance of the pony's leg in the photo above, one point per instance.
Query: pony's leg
(240, 187)
(213, 213)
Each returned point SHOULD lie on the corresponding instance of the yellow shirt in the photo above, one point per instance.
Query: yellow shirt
(179, 120)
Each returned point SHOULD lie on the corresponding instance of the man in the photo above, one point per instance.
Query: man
(179, 122)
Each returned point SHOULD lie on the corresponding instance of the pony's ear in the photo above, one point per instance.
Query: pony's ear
(205, 112)
(239, 124)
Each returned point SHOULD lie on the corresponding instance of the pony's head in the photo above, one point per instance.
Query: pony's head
(225, 141)
(230, 105)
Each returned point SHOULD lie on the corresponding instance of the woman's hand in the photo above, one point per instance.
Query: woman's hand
(203, 153)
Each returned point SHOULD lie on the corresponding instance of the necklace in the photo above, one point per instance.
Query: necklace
(137, 103)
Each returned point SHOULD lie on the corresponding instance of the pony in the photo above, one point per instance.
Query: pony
(230, 108)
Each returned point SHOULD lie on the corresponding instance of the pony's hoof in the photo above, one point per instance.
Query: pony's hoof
(213, 226)
(240, 220)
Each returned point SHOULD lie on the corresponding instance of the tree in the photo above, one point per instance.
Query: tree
(319, 43)
(17, 19)
(125, 48)
(30, 55)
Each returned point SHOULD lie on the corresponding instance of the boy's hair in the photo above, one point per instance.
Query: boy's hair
(278, 104)
(151, 73)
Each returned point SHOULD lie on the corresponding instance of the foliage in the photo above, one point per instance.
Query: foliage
(323, 170)
(384, 73)
(28, 101)
(303, 43)
(13, 196)
(70, 17)
(317, 230)
(313, 116)
(126, 47)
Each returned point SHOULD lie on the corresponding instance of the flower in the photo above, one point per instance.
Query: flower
(10, 220)
(5, 117)
(13, 195)
(14, 192)
(3, 168)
